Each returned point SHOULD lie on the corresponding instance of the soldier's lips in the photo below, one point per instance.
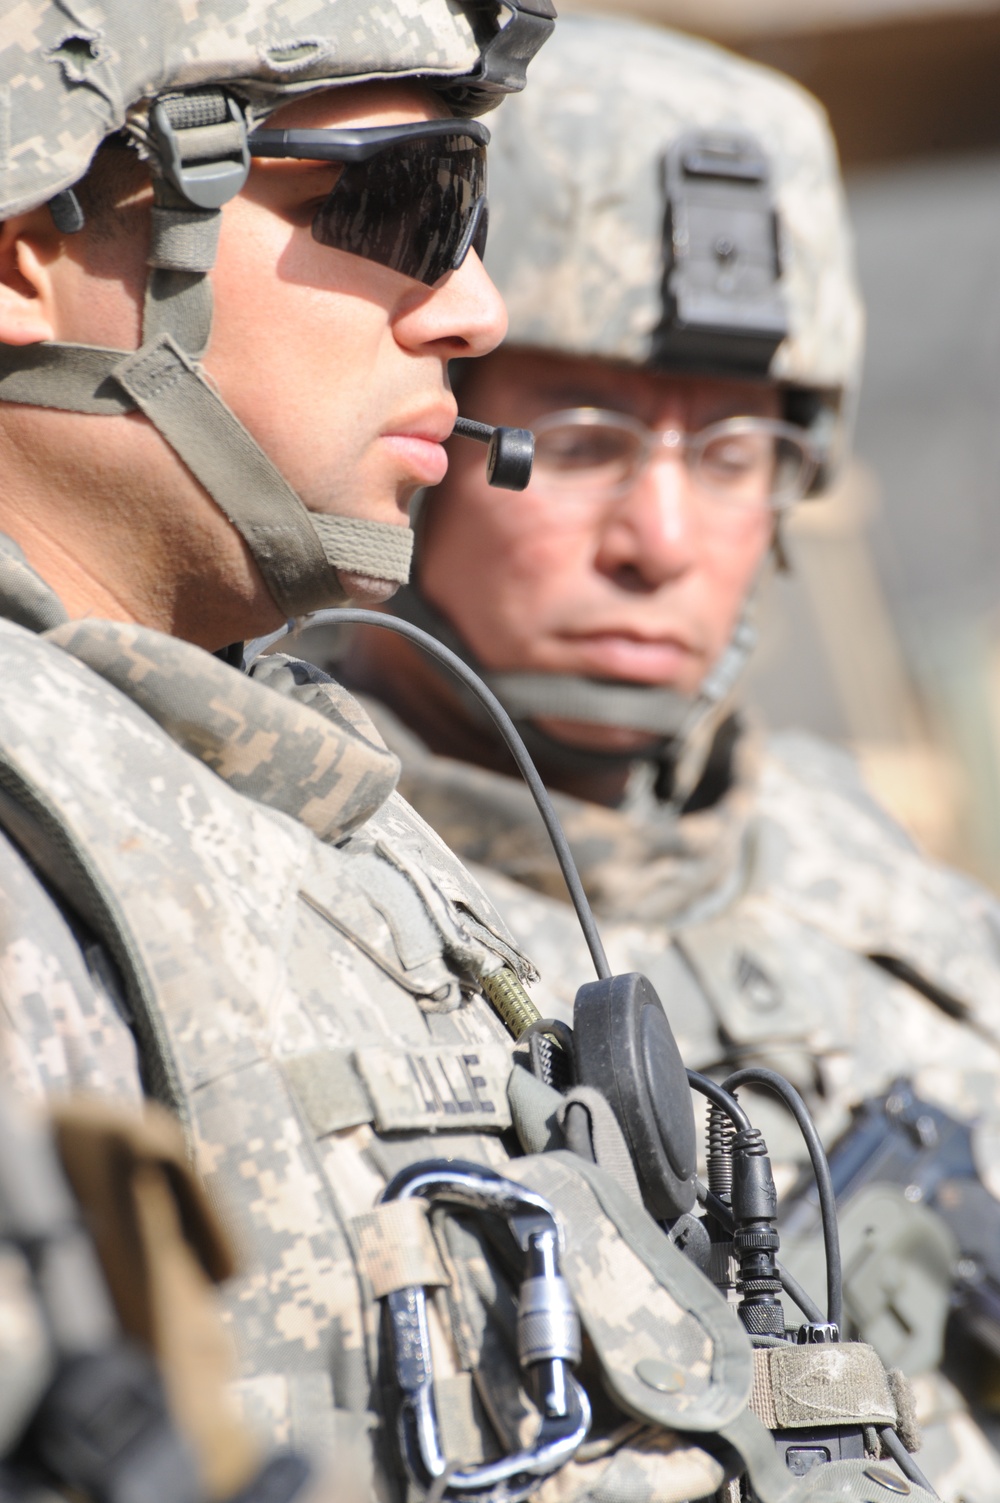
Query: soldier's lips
(423, 459)
(660, 660)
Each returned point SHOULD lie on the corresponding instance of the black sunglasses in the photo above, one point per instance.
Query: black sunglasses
(419, 212)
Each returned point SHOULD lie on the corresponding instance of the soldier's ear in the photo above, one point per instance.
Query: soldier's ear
(29, 245)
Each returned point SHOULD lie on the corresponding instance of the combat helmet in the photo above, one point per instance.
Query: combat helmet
(660, 202)
(185, 84)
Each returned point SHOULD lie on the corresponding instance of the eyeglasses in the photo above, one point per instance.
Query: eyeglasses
(743, 462)
(411, 197)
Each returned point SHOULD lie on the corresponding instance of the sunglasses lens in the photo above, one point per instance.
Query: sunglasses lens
(411, 207)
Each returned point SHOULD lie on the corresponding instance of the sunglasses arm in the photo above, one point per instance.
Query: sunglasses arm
(509, 455)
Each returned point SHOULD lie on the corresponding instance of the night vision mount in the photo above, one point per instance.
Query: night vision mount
(724, 307)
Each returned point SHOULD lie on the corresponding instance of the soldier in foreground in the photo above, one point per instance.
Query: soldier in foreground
(669, 233)
(113, 1363)
(212, 894)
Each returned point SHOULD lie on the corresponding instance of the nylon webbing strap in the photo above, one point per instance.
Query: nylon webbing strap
(641, 707)
(69, 377)
(182, 250)
(295, 550)
(178, 303)
(377, 549)
(396, 1248)
(183, 239)
(201, 161)
(684, 725)
(723, 677)
(237, 474)
(843, 1383)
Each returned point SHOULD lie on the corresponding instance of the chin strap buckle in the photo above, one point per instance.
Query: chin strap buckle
(548, 1342)
(201, 142)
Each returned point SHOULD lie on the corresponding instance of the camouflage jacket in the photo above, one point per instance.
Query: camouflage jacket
(213, 895)
(792, 924)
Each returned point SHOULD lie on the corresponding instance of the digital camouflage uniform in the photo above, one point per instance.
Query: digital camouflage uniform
(214, 896)
(791, 922)
(791, 925)
(232, 884)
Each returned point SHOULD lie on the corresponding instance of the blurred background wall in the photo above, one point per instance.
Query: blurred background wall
(887, 635)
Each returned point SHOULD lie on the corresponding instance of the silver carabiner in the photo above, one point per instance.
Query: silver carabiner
(548, 1342)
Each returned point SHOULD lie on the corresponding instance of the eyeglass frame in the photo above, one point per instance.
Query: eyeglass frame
(674, 440)
(356, 143)
(360, 143)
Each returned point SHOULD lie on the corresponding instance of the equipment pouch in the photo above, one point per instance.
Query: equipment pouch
(162, 1249)
(671, 1352)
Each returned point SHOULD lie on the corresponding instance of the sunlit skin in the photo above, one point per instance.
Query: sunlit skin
(336, 365)
(645, 586)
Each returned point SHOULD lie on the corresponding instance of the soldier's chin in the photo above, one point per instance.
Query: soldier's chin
(366, 589)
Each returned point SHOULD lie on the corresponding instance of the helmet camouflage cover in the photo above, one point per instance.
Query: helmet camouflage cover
(72, 73)
(580, 237)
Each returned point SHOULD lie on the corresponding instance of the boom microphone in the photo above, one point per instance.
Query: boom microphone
(510, 452)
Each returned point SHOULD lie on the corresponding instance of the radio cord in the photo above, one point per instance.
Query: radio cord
(354, 616)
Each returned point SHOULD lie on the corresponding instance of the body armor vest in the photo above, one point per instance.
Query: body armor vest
(218, 870)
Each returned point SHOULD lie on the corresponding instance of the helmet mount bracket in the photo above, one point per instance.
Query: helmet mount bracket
(723, 303)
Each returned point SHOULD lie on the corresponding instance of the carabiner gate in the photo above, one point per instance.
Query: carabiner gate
(548, 1341)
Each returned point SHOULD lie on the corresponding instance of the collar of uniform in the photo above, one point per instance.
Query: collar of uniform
(639, 862)
(296, 742)
(24, 595)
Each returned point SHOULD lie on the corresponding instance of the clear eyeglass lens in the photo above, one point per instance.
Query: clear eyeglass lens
(739, 466)
(742, 463)
(596, 455)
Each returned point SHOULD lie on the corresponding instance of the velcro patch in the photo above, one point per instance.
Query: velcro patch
(840, 1384)
(437, 1086)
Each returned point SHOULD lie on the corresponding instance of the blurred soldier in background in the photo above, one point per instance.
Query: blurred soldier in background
(211, 892)
(669, 233)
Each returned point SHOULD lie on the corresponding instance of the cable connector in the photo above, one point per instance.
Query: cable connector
(755, 1235)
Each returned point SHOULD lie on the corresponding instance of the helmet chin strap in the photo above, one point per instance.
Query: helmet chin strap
(684, 724)
(200, 144)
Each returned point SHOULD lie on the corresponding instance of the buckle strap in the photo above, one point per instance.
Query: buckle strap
(200, 139)
(220, 453)
(296, 552)
(641, 707)
(183, 239)
(376, 549)
(179, 303)
(68, 377)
